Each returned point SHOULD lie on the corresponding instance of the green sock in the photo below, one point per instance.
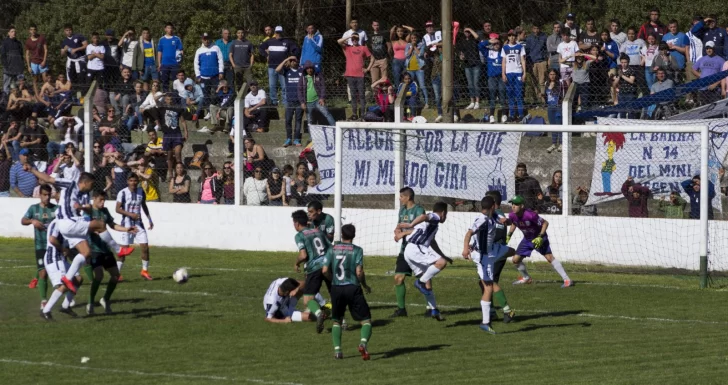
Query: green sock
(314, 307)
(110, 289)
(366, 333)
(43, 288)
(94, 289)
(401, 291)
(336, 334)
(89, 271)
(499, 297)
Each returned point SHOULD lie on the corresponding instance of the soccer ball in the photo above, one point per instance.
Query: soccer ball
(180, 276)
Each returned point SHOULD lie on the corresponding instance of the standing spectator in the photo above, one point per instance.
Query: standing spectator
(355, 71)
(469, 54)
(113, 56)
(276, 49)
(637, 197)
(599, 75)
(589, 36)
(527, 186)
(21, 181)
(255, 189)
(95, 53)
(209, 68)
(34, 140)
(290, 70)
(625, 82)
(224, 43)
(174, 127)
(566, 49)
(267, 32)
(633, 48)
(146, 62)
(708, 30)
(679, 46)
(537, 57)
(227, 180)
(36, 53)
(490, 52)
(573, 28)
(708, 65)
(222, 107)
(692, 188)
(379, 46)
(11, 58)
(287, 181)
(73, 48)
(432, 38)
(399, 43)
(298, 184)
(486, 32)
(132, 53)
(354, 29)
(436, 80)
(122, 93)
(169, 56)
(210, 185)
(241, 58)
(615, 32)
(579, 203)
(276, 189)
(6, 164)
(415, 53)
(179, 185)
(695, 52)
(674, 206)
(514, 76)
(313, 47)
(653, 26)
(649, 51)
(554, 91)
(552, 45)
(312, 94)
(70, 128)
(254, 113)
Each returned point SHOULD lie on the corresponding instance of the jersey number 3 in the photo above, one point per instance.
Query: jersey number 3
(340, 272)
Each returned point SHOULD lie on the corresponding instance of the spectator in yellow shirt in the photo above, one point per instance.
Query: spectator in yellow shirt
(148, 178)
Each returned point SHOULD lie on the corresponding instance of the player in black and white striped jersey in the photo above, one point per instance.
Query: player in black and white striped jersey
(56, 267)
(281, 299)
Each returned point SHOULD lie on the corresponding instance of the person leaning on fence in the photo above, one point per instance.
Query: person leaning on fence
(692, 188)
(69, 127)
(410, 95)
(637, 197)
(527, 186)
(312, 94)
(673, 206)
(579, 206)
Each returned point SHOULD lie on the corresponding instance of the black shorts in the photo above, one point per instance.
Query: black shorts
(105, 260)
(172, 140)
(313, 283)
(497, 268)
(40, 259)
(353, 297)
(402, 267)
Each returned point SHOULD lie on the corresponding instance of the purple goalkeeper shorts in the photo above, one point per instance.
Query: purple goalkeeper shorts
(525, 248)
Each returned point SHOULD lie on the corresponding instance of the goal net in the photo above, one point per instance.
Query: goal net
(614, 193)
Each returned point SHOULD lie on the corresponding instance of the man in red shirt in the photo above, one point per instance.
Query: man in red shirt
(36, 53)
(653, 26)
(355, 70)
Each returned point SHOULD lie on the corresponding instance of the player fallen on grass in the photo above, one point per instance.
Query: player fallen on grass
(40, 215)
(129, 203)
(407, 213)
(102, 258)
(535, 238)
(346, 272)
(281, 299)
(74, 222)
(321, 220)
(314, 250)
(56, 267)
(486, 251)
(422, 253)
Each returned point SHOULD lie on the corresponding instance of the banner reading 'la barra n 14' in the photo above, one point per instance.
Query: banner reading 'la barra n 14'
(456, 164)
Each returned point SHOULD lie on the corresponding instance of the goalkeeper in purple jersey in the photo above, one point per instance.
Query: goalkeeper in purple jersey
(535, 238)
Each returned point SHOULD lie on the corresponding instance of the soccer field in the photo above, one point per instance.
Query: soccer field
(608, 329)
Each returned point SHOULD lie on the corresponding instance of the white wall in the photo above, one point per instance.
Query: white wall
(605, 240)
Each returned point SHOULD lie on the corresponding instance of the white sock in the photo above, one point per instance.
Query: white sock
(145, 265)
(431, 272)
(431, 301)
(119, 265)
(78, 261)
(485, 306)
(106, 237)
(67, 302)
(522, 269)
(559, 269)
(320, 299)
(52, 301)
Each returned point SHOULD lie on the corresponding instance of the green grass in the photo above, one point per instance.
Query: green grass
(609, 329)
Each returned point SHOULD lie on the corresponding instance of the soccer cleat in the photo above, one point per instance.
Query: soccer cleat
(42, 304)
(421, 287)
(436, 315)
(509, 317)
(486, 328)
(327, 305)
(287, 142)
(567, 283)
(551, 148)
(106, 305)
(320, 322)
(90, 309)
(364, 352)
(125, 250)
(523, 281)
(297, 142)
(68, 284)
(428, 313)
(69, 312)
(338, 356)
(46, 316)
(145, 275)
(33, 283)
(399, 313)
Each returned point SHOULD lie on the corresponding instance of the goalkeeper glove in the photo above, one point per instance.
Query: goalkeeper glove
(537, 242)
(508, 239)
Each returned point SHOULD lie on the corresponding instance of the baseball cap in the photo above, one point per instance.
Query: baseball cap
(570, 16)
(493, 36)
(511, 32)
(429, 23)
(710, 44)
(24, 151)
(275, 170)
(205, 36)
(279, 28)
(109, 32)
(517, 200)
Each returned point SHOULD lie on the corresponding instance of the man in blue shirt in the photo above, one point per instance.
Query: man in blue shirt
(709, 64)
(209, 68)
(73, 48)
(224, 44)
(677, 42)
(692, 188)
(290, 70)
(169, 56)
(313, 47)
(537, 57)
(21, 181)
(708, 30)
(277, 49)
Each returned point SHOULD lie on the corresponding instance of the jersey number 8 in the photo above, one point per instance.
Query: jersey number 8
(319, 245)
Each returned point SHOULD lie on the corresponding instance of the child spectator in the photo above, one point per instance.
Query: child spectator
(554, 92)
(410, 96)
(579, 206)
(637, 197)
(674, 207)
(287, 173)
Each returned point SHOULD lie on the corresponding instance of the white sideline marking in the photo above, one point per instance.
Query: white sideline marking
(201, 293)
(17, 267)
(140, 373)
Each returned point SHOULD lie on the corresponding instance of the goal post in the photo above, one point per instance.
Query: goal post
(401, 137)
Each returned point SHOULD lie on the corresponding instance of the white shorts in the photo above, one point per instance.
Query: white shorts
(419, 258)
(55, 271)
(74, 231)
(140, 237)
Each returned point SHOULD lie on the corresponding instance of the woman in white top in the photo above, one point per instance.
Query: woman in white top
(649, 52)
(255, 189)
(148, 108)
(70, 127)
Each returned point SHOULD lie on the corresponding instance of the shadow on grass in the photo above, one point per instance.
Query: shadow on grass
(377, 307)
(145, 313)
(462, 310)
(408, 350)
(520, 318)
(378, 323)
(530, 328)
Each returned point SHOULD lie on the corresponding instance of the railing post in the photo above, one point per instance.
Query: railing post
(238, 140)
(88, 128)
(566, 150)
(399, 147)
